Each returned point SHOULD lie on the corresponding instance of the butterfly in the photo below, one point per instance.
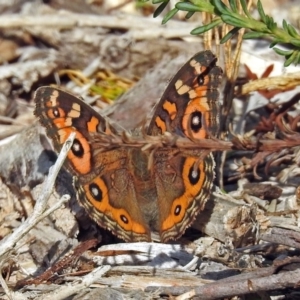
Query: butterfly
(115, 185)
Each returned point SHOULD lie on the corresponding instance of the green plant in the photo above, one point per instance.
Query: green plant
(266, 27)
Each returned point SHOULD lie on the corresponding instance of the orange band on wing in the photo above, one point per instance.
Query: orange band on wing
(97, 194)
(170, 108)
(160, 124)
(181, 203)
(92, 124)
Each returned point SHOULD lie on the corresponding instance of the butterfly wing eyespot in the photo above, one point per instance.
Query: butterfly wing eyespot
(77, 148)
(196, 121)
(200, 79)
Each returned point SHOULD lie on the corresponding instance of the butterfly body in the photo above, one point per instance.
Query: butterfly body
(133, 192)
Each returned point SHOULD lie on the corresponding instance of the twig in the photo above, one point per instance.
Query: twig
(68, 290)
(138, 26)
(169, 141)
(188, 295)
(279, 82)
(66, 261)
(7, 245)
(236, 287)
(282, 236)
(4, 285)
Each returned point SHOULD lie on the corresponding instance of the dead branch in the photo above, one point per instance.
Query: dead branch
(167, 141)
(7, 245)
(68, 290)
(140, 28)
(283, 83)
(282, 236)
(258, 283)
(63, 263)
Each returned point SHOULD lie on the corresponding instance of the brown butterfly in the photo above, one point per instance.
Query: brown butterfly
(115, 186)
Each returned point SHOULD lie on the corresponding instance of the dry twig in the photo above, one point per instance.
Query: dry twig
(69, 290)
(39, 213)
